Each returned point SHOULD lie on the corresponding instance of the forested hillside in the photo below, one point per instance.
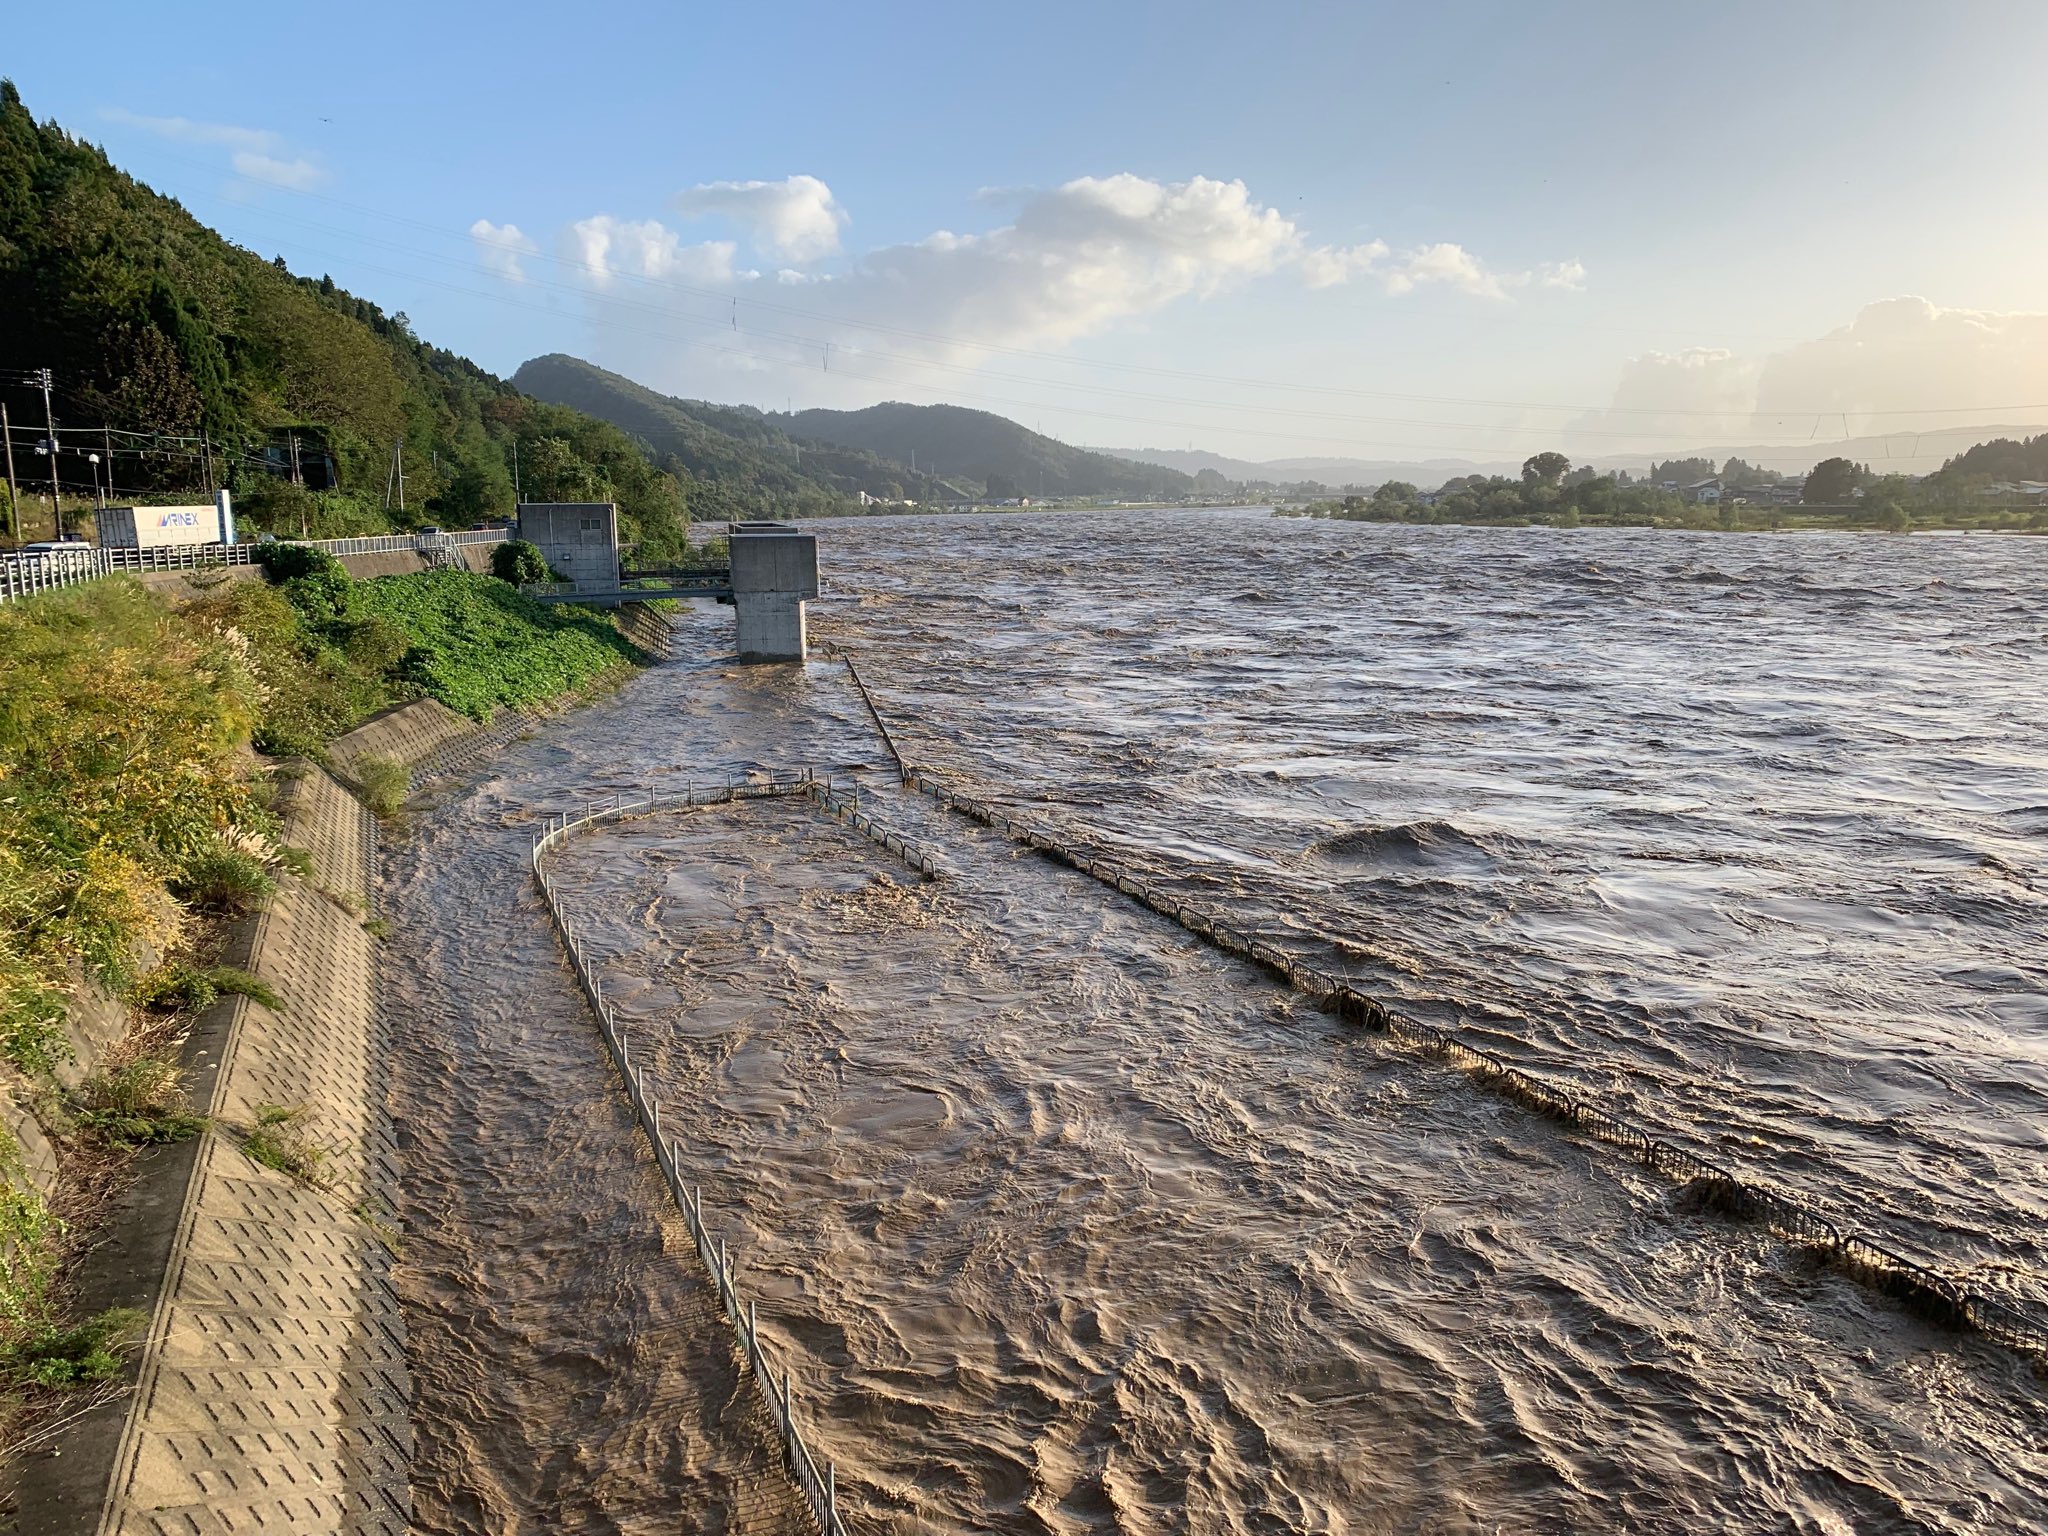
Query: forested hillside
(186, 354)
(992, 451)
(744, 465)
(2001, 459)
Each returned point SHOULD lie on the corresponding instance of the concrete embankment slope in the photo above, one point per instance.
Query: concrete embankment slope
(273, 1393)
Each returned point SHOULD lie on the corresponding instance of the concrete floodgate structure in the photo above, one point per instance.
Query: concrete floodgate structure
(772, 574)
(774, 570)
(578, 538)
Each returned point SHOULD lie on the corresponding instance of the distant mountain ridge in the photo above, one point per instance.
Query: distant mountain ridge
(997, 454)
(744, 462)
(1334, 472)
(741, 463)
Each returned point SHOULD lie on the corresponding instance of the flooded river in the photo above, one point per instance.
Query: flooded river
(1066, 1223)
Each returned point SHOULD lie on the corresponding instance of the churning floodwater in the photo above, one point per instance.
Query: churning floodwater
(1067, 1223)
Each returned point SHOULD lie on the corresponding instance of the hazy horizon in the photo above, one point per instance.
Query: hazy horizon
(1386, 235)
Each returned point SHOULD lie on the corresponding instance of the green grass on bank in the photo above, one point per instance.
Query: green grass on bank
(132, 809)
(127, 802)
(120, 723)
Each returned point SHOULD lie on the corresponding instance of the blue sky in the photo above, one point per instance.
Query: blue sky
(1628, 225)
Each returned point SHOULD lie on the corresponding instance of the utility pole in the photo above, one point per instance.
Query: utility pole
(398, 453)
(50, 421)
(13, 491)
(516, 497)
(206, 459)
(297, 478)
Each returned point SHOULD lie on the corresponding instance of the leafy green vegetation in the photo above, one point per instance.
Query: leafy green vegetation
(29, 1235)
(313, 681)
(223, 878)
(49, 1355)
(119, 787)
(479, 646)
(1551, 493)
(2000, 459)
(36, 1348)
(519, 562)
(154, 324)
(176, 987)
(1540, 498)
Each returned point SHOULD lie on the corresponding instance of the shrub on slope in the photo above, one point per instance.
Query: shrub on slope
(478, 646)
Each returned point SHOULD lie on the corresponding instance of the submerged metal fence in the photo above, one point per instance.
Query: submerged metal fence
(818, 1485)
(1867, 1257)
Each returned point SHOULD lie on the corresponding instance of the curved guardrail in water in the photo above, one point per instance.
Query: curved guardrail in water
(817, 1485)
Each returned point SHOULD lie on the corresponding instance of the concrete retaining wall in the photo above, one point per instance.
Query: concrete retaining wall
(410, 734)
(94, 1021)
(395, 562)
(183, 586)
(645, 627)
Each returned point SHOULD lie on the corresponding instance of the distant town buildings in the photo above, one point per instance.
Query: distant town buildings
(2018, 490)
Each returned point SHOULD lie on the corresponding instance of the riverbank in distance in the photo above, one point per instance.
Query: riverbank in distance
(1711, 519)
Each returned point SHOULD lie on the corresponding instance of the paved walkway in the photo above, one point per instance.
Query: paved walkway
(274, 1397)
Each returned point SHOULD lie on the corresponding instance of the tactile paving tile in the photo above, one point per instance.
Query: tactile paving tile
(274, 1392)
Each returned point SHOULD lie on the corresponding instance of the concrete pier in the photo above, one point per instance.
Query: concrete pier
(774, 571)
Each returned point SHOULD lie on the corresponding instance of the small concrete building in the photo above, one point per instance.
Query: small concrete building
(578, 538)
(774, 570)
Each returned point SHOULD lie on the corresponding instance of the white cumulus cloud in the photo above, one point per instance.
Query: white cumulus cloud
(603, 248)
(1444, 263)
(501, 248)
(258, 154)
(1684, 394)
(1900, 356)
(1073, 261)
(796, 219)
(1077, 259)
(1900, 368)
(1325, 266)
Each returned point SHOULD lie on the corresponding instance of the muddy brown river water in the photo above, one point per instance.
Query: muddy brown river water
(1069, 1224)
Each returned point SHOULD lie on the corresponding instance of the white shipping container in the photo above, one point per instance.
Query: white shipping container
(158, 527)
